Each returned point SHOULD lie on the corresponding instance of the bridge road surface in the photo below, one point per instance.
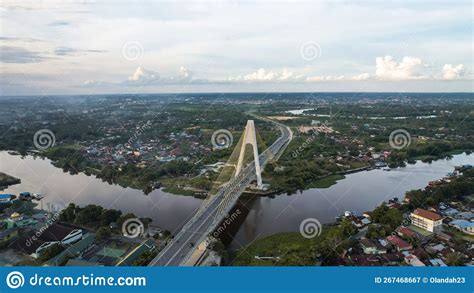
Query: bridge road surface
(205, 221)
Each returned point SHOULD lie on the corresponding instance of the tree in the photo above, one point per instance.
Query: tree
(89, 215)
(109, 216)
(454, 259)
(103, 232)
(69, 213)
(347, 228)
(51, 251)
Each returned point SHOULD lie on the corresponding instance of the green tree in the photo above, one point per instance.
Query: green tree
(109, 216)
(454, 259)
(103, 232)
(51, 251)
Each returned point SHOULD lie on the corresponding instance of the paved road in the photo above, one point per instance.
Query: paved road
(210, 215)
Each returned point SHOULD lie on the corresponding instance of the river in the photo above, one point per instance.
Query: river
(358, 192)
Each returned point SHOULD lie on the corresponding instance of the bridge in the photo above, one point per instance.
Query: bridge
(180, 249)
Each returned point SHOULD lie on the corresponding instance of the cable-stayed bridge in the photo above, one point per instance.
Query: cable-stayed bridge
(179, 250)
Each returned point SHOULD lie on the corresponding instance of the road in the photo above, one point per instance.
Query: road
(213, 211)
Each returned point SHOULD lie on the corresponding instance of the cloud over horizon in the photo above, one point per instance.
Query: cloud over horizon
(201, 46)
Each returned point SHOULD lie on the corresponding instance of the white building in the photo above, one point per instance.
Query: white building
(427, 220)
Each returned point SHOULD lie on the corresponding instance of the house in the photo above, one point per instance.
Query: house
(426, 220)
(5, 198)
(413, 260)
(61, 233)
(73, 251)
(7, 235)
(405, 232)
(360, 222)
(399, 243)
(437, 262)
(366, 260)
(26, 196)
(463, 226)
(370, 247)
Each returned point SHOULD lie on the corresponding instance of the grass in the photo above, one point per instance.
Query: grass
(291, 248)
(170, 185)
(418, 230)
(326, 182)
(111, 252)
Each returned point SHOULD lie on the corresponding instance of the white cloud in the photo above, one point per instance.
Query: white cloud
(325, 78)
(453, 72)
(142, 77)
(387, 68)
(262, 75)
(362, 76)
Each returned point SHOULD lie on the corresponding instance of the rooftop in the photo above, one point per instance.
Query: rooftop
(427, 214)
(462, 223)
(399, 242)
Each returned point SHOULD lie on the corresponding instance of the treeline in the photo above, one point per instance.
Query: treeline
(457, 189)
(94, 217)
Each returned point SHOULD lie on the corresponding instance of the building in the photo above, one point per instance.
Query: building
(370, 247)
(26, 196)
(5, 198)
(426, 220)
(399, 243)
(463, 226)
(405, 232)
(60, 233)
(73, 251)
(413, 261)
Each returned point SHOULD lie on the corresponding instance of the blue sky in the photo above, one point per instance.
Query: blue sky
(87, 47)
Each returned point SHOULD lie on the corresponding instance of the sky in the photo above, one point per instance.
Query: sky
(100, 47)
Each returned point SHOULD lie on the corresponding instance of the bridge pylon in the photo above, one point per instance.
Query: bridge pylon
(249, 137)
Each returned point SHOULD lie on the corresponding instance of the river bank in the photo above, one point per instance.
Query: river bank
(7, 180)
(358, 192)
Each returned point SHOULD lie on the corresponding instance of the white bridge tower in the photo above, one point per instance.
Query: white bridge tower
(250, 138)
